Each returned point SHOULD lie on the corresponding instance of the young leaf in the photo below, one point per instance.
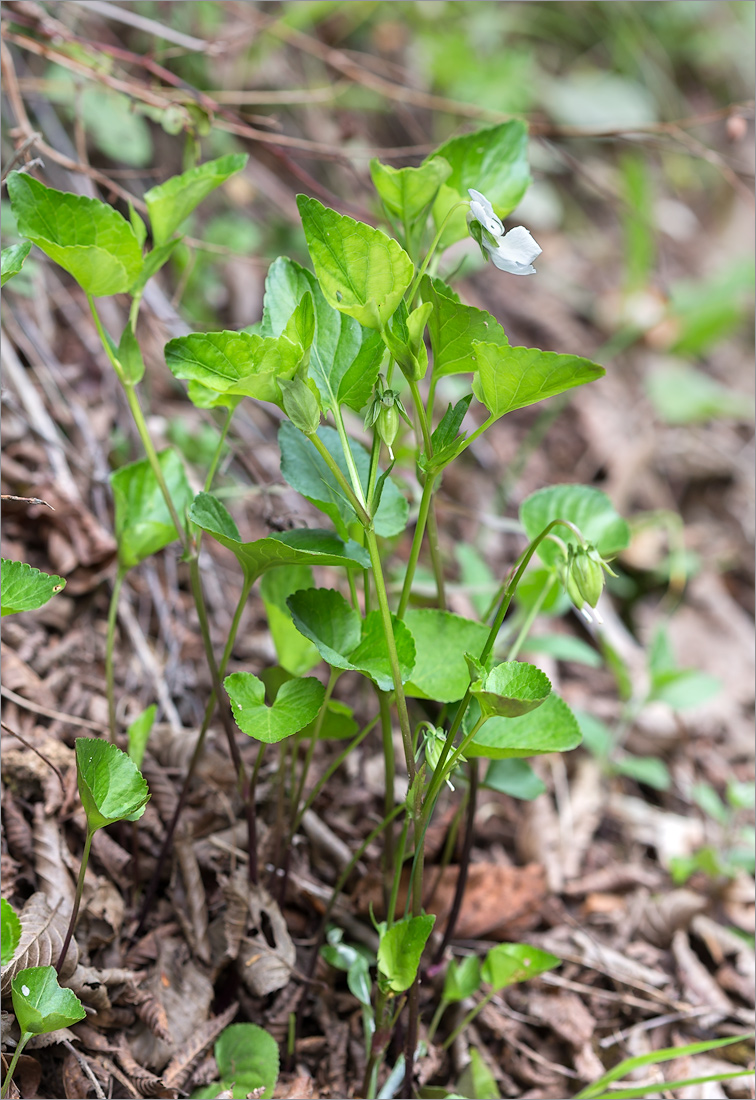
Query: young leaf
(301, 547)
(400, 949)
(143, 523)
(171, 202)
(12, 260)
(515, 778)
(361, 271)
(552, 727)
(494, 161)
(589, 509)
(454, 326)
(511, 378)
(10, 929)
(130, 356)
(235, 363)
(511, 689)
(408, 192)
(111, 787)
(477, 1080)
(305, 471)
(441, 641)
(295, 653)
(248, 1061)
(88, 238)
(508, 963)
(448, 427)
(345, 640)
(25, 588)
(40, 1004)
(139, 733)
(345, 357)
(296, 704)
(462, 979)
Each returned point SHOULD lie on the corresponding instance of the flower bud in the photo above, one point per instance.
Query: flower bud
(587, 574)
(387, 424)
(300, 404)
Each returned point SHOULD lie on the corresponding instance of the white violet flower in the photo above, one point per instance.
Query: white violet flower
(513, 251)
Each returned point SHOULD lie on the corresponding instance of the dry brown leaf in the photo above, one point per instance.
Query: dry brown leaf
(42, 933)
(539, 840)
(588, 794)
(194, 919)
(662, 916)
(75, 1081)
(177, 1070)
(301, 1088)
(617, 876)
(50, 860)
(18, 831)
(263, 966)
(699, 985)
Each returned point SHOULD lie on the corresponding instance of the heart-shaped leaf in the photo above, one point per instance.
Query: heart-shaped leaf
(240, 364)
(345, 357)
(10, 927)
(552, 727)
(305, 471)
(296, 704)
(515, 778)
(400, 949)
(441, 641)
(12, 260)
(88, 238)
(511, 378)
(511, 689)
(508, 963)
(454, 326)
(301, 547)
(171, 202)
(248, 1063)
(589, 509)
(143, 523)
(111, 787)
(494, 161)
(41, 1004)
(25, 588)
(345, 640)
(361, 271)
(409, 193)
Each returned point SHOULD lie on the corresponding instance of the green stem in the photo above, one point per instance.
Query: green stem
(77, 900)
(333, 767)
(435, 553)
(433, 1027)
(344, 485)
(375, 454)
(297, 798)
(417, 541)
(398, 866)
(531, 617)
(389, 769)
(25, 1037)
(348, 456)
(469, 1018)
(388, 629)
(409, 296)
(344, 876)
(218, 452)
(109, 650)
(420, 409)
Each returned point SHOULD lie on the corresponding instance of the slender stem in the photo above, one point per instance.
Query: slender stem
(353, 589)
(375, 454)
(389, 769)
(388, 629)
(109, 650)
(136, 302)
(440, 1010)
(464, 862)
(333, 767)
(25, 1037)
(465, 443)
(344, 485)
(297, 798)
(77, 900)
(531, 617)
(218, 452)
(469, 1018)
(435, 553)
(417, 541)
(154, 461)
(409, 296)
(348, 456)
(420, 409)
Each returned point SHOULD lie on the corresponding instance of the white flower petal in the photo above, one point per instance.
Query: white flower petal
(482, 211)
(514, 252)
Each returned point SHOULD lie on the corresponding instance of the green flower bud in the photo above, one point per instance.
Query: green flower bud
(387, 424)
(300, 404)
(587, 574)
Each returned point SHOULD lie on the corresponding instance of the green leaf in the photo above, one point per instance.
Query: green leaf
(139, 733)
(446, 433)
(130, 356)
(683, 687)
(669, 1086)
(88, 238)
(598, 1088)
(153, 261)
(41, 1004)
(296, 704)
(550, 728)
(453, 327)
(477, 1081)
(338, 723)
(115, 127)
(645, 769)
(345, 640)
(301, 547)
(589, 509)
(248, 1060)
(10, 930)
(408, 192)
(12, 260)
(515, 778)
(512, 378)
(345, 357)
(441, 641)
(361, 271)
(25, 588)
(564, 647)
(171, 202)
(508, 963)
(462, 979)
(235, 363)
(511, 689)
(295, 653)
(494, 161)
(143, 523)
(400, 949)
(304, 469)
(111, 787)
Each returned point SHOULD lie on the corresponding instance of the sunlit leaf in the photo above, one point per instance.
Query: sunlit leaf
(551, 727)
(296, 704)
(400, 949)
(12, 260)
(25, 588)
(111, 787)
(41, 1004)
(511, 378)
(171, 202)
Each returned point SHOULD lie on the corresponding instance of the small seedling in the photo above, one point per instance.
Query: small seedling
(41, 1005)
(247, 1058)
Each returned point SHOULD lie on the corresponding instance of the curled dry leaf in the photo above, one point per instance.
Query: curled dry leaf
(18, 831)
(149, 1010)
(162, 786)
(266, 953)
(177, 1070)
(186, 994)
(50, 859)
(662, 916)
(42, 932)
(195, 917)
(301, 1088)
(700, 987)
